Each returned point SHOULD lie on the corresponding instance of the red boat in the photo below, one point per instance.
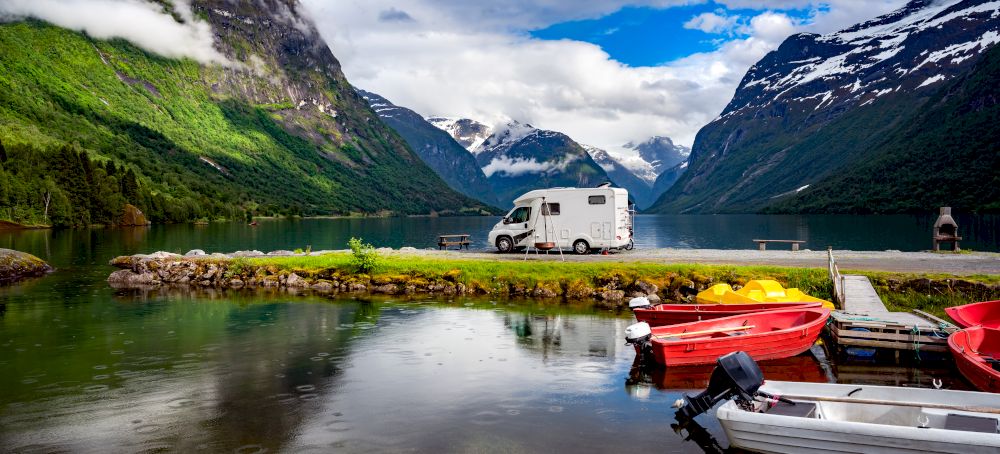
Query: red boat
(763, 335)
(986, 313)
(977, 355)
(672, 314)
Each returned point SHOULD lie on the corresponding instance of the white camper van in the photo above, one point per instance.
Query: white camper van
(583, 219)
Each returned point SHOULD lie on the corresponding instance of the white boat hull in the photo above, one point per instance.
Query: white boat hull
(886, 429)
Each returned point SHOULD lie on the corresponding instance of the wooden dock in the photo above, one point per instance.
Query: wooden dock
(865, 321)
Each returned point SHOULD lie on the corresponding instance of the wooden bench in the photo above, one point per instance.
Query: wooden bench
(762, 244)
(453, 240)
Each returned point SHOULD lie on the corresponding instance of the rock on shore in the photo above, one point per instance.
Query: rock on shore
(16, 265)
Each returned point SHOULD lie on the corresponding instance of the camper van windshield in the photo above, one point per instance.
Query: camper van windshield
(520, 215)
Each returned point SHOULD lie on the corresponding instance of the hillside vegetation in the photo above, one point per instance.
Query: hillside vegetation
(193, 141)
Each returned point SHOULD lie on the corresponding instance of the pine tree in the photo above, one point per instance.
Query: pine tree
(130, 187)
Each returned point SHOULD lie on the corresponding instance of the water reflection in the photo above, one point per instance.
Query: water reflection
(249, 372)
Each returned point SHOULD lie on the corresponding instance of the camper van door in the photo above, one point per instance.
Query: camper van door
(518, 221)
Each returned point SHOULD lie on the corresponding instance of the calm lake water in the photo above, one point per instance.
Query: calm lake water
(86, 368)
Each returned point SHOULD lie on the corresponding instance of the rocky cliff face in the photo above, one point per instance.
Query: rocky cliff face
(436, 148)
(819, 105)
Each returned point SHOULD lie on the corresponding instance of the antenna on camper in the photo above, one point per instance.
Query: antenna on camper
(606, 184)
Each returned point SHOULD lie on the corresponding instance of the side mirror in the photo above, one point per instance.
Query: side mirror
(506, 220)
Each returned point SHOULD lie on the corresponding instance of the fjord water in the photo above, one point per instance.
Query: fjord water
(88, 368)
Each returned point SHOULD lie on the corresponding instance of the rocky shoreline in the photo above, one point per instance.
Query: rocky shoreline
(227, 271)
(198, 270)
(16, 265)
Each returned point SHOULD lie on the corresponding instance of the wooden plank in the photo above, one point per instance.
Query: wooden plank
(892, 337)
(944, 324)
(860, 296)
(889, 345)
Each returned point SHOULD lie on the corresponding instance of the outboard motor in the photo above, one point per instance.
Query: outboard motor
(736, 375)
(640, 336)
(639, 302)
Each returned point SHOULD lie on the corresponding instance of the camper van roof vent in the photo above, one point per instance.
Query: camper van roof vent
(606, 184)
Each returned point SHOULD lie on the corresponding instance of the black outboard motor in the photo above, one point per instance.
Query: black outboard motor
(736, 375)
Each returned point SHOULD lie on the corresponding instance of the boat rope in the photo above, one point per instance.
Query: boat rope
(916, 342)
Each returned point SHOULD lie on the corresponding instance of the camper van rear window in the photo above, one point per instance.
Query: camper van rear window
(550, 209)
(596, 200)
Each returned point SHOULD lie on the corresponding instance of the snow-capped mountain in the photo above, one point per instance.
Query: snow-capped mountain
(639, 189)
(518, 157)
(467, 132)
(915, 48)
(435, 147)
(821, 105)
(654, 156)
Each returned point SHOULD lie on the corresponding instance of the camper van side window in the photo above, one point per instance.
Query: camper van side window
(520, 215)
(597, 200)
(550, 209)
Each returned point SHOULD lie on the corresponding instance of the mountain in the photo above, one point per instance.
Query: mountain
(639, 189)
(469, 133)
(945, 155)
(656, 155)
(825, 112)
(667, 179)
(518, 158)
(437, 148)
(277, 130)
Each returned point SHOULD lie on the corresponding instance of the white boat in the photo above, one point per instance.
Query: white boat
(844, 418)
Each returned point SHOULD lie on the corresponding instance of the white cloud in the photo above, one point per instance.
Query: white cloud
(513, 167)
(143, 23)
(474, 59)
(712, 22)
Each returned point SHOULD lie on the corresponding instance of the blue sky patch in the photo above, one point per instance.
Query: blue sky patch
(642, 36)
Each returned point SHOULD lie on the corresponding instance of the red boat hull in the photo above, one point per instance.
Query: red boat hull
(986, 313)
(773, 334)
(673, 314)
(969, 346)
(803, 368)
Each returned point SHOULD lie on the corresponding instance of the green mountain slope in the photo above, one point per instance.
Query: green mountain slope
(280, 132)
(948, 154)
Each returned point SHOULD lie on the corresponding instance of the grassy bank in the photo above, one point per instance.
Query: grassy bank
(571, 280)
(608, 285)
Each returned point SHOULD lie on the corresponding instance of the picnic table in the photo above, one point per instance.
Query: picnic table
(762, 244)
(454, 240)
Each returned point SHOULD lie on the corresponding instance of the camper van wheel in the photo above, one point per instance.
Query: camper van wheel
(630, 245)
(581, 247)
(505, 244)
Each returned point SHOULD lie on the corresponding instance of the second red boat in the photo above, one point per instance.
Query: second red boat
(672, 314)
(977, 355)
(763, 335)
(986, 313)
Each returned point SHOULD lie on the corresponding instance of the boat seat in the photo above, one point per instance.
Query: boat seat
(971, 423)
(800, 409)
(993, 362)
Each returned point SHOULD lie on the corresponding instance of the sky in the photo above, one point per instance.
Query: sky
(605, 72)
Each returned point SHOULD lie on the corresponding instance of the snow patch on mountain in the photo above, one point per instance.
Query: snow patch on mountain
(852, 60)
(467, 132)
